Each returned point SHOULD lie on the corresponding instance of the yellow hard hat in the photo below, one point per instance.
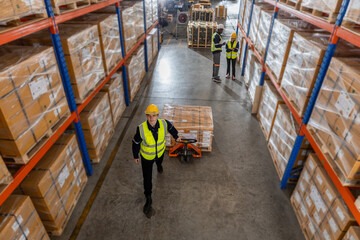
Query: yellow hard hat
(233, 35)
(152, 109)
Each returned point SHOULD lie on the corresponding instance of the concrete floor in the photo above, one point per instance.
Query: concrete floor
(231, 193)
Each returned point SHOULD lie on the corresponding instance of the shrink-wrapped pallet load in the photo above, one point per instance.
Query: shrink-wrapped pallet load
(202, 14)
(352, 18)
(263, 31)
(5, 176)
(135, 67)
(195, 122)
(324, 9)
(335, 119)
(56, 183)
(12, 11)
(32, 100)
(320, 209)
(200, 34)
(19, 220)
(109, 37)
(97, 125)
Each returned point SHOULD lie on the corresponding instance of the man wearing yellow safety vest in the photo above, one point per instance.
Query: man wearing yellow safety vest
(232, 48)
(216, 49)
(149, 141)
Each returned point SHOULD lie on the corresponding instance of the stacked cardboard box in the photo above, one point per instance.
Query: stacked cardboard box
(256, 19)
(149, 45)
(154, 36)
(220, 12)
(335, 119)
(252, 79)
(321, 7)
(154, 11)
(19, 220)
(269, 104)
(242, 13)
(280, 44)
(135, 68)
(282, 140)
(56, 182)
(148, 13)
(353, 233)
(115, 89)
(200, 33)
(15, 9)
(32, 99)
(5, 176)
(202, 14)
(321, 212)
(97, 125)
(194, 122)
(263, 31)
(108, 31)
(353, 12)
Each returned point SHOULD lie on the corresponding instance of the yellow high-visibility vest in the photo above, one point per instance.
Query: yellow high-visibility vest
(233, 54)
(213, 48)
(148, 147)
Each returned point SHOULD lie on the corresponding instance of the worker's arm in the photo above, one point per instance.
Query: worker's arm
(217, 42)
(237, 47)
(136, 145)
(172, 130)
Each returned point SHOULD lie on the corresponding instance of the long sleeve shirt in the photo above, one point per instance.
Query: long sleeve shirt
(217, 42)
(236, 48)
(154, 130)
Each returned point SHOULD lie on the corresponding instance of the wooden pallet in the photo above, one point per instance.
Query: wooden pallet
(351, 27)
(32, 151)
(21, 21)
(262, 129)
(292, 4)
(58, 10)
(328, 17)
(81, 101)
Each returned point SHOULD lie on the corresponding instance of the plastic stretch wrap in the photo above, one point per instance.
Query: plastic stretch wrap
(263, 31)
(254, 22)
(200, 33)
(202, 14)
(268, 107)
(336, 116)
(154, 37)
(56, 182)
(304, 61)
(242, 51)
(135, 67)
(154, 11)
(353, 12)
(5, 176)
(242, 13)
(32, 98)
(97, 125)
(321, 212)
(148, 12)
(253, 74)
(194, 122)
(15, 9)
(246, 17)
(280, 44)
(115, 89)
(149, 44)
(353, 233)
(326, 6)
(108, 30)
(282, 139)
(19, 220)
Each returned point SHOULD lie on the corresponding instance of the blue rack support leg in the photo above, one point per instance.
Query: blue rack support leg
(247, 35)
(125, 83)
(59, 54)
(145, 41)
(315, 92)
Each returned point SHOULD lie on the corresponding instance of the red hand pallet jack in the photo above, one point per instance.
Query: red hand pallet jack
(187, 147)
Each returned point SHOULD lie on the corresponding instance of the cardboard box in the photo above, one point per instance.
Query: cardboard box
(135, 68)
(221, 12)
(353, 233)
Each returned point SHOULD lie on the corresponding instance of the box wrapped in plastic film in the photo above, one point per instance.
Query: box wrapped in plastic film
(5, 176)
(282, 140)
(13, 10)
(280, 44)
(263, 31)
(154, 11)
(335, 121)
(303, 65)
(269, 104)
(148, 13)
(32, 100)
(353, 233)
(199, 34)
(108, 30)
(325, 9)
(319, 207)
(195, 122)
(135, 68)
(353, 12)
(149, 45)
(115, 89)
(97, 125)
(56, 183)
(19, 220)
(154, 37)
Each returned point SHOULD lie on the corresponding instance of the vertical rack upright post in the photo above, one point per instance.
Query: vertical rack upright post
(145, 41)
(247, 35)
(124, 73)
(158, 25)
(54, 31)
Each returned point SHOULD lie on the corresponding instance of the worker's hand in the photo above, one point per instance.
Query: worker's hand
(223, 43)
(178, 139)
(232, 49)
(136, 160)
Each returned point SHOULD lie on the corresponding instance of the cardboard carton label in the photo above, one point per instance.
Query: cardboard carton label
(63, 176)
(15, 226)
(311, 165)
(344, 104)
(22, 237)
(19, 219)
(38, 87)
(303, 210)
(43, 63)
(306, 176)
(26, 232)
(297, 197)
(340, 213)
(86, 53)
(333, 226)
(329, 195)
(316, 197)
(308, 201)
(352, 237)
(326, 235)
(319, 179)
(311, 227)
(317, 218)
(302, 186)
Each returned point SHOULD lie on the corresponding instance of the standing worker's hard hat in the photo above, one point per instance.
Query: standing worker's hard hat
(152, 109)
(233, 35)
(220, 26)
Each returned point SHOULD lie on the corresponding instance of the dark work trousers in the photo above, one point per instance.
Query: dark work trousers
(147, 166)
(233, 61)
(216, 65)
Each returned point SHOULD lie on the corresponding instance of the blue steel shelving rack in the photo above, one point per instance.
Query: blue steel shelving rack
(337, 32)
(51, 23)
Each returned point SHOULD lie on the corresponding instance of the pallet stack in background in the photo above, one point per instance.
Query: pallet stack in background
(195, 122)
(200, 34)
(202, 14)
(221, 12)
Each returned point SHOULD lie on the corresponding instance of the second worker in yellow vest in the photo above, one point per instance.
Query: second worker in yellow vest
(149, 142)
(232, 48)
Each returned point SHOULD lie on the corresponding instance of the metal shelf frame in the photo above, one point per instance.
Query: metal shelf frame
(52, 24)
(337, 32)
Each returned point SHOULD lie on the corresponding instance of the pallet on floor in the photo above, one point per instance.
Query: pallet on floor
(292, 3)
(32, 151)
(69, 7)
(328, 17)
(21, 21)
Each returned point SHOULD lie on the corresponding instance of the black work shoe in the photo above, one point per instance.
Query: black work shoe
(147, 206)
(160, 169)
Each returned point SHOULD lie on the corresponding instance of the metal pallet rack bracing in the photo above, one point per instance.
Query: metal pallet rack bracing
(337, 32)
(52, 24)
